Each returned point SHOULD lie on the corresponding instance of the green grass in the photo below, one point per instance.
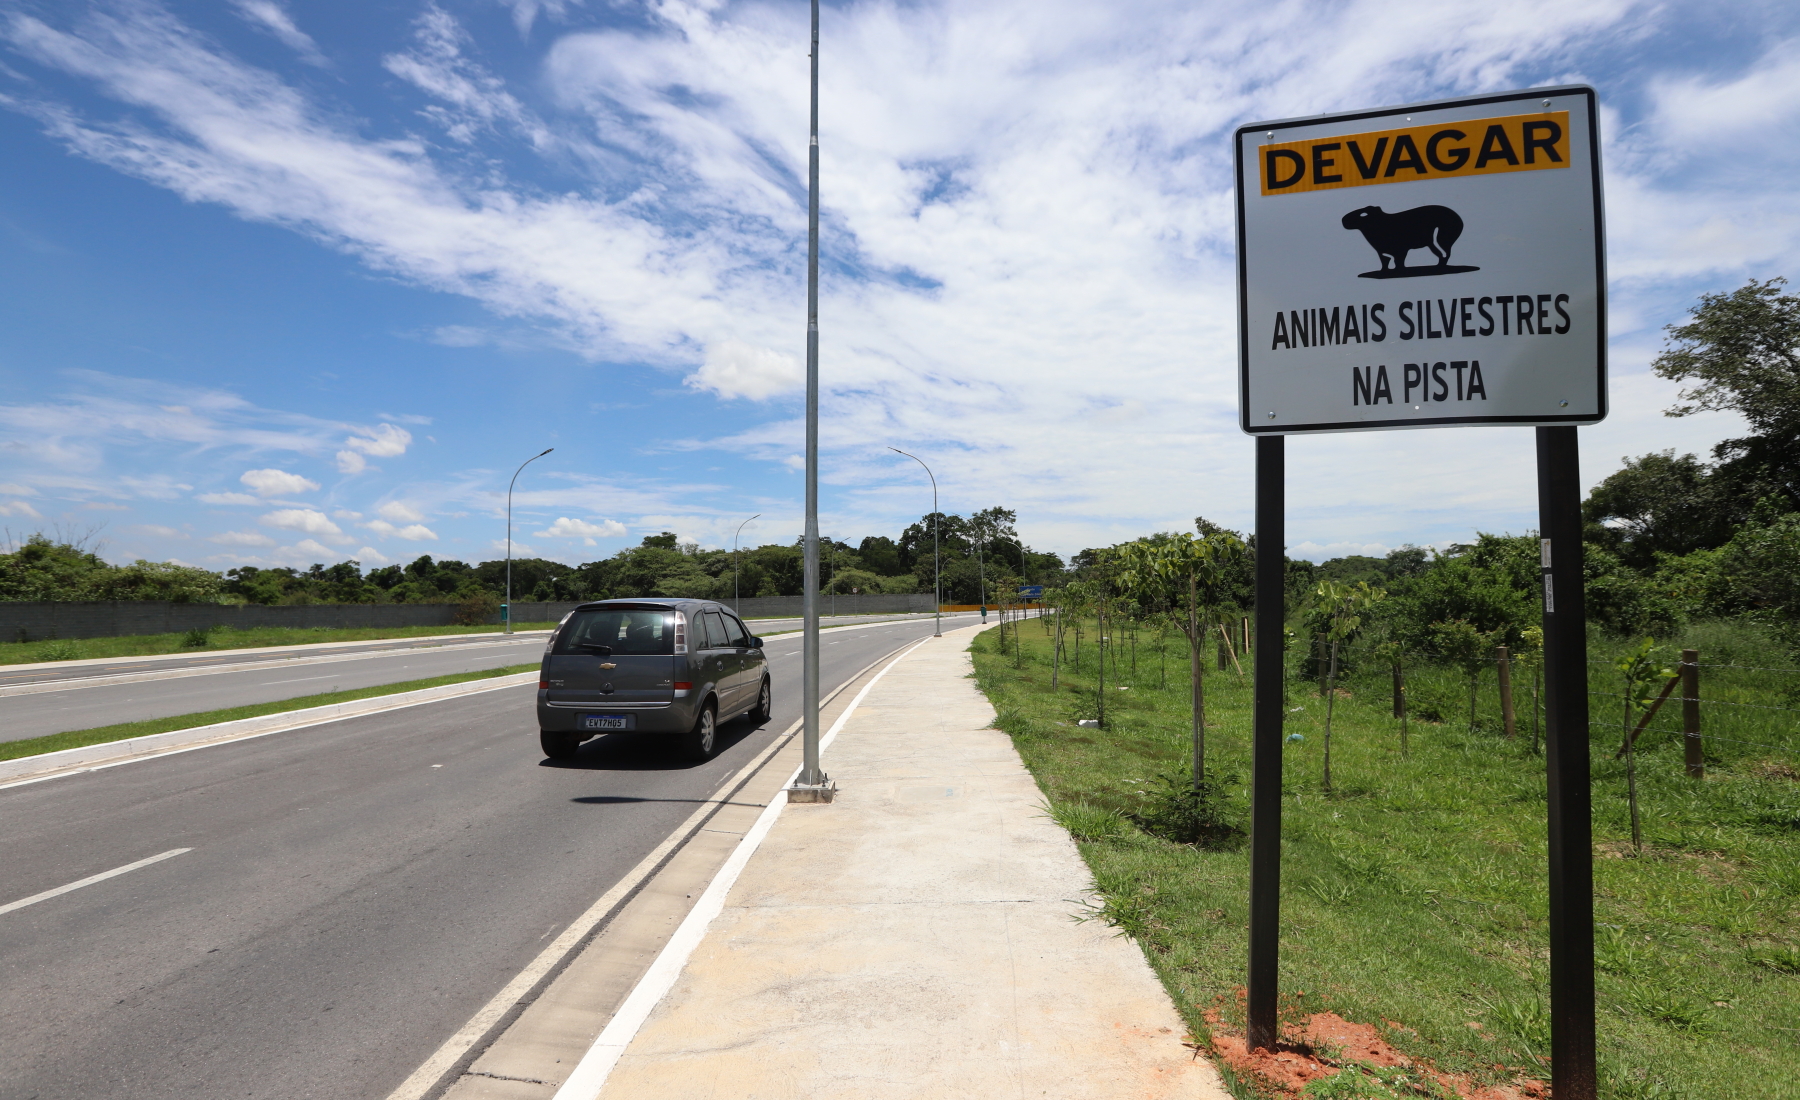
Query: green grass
(1414, 892)
(74, 739)
(144, 645)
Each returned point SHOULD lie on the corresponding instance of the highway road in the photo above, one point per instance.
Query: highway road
(86, 695)
(344, 897)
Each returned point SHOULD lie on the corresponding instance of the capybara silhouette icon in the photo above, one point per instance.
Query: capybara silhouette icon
(1392, 236)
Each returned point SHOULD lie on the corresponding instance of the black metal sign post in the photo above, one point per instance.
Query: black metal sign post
(1572, 1070)
(1510, 329)
(1265, 778)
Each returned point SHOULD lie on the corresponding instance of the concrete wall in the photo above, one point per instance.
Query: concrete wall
(36, 622)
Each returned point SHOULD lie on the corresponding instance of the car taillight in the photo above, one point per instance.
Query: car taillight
(684, 685)
(681, 632)
(543, 684)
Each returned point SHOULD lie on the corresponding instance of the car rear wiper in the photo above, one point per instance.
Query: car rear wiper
(595, 648)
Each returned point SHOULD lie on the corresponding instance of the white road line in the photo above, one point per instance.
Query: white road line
(301, 680)
(90, 880)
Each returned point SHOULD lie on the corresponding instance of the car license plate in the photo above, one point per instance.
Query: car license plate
(606, 721)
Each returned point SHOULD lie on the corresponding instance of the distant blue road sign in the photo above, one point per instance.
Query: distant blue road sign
(1031, 591)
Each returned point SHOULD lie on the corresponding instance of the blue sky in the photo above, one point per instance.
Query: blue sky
(293, 281)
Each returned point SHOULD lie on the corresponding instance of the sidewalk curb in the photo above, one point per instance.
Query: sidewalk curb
(589, 1077)
(54, 765)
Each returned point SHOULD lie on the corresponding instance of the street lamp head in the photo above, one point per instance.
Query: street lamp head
(545, 451)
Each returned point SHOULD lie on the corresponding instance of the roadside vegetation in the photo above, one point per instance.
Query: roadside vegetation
(1413, 891)
(973, 551)
(222, 638)
(75, 739)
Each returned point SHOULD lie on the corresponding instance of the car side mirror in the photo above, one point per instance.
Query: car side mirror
(755, 642)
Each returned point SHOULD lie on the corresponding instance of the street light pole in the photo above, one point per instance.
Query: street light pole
(810, 773)
(734, 563)
(506, 609)
(937, 587)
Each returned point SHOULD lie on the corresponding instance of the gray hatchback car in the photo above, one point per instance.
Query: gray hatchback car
(676, 667)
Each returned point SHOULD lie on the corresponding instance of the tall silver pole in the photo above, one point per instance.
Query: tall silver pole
(734, 564)
(810, 774)
(506, 616)
(937, 587)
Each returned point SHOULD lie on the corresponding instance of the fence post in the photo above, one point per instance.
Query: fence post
(1224, 656)
(1690, 713)
(1319, 659)
(1506, 699)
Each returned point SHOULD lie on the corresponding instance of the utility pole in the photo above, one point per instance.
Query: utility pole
(811, 775)
(506, 608)
(937, 584)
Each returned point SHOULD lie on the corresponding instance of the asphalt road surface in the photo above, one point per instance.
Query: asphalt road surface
(284, 674)
(351, 894)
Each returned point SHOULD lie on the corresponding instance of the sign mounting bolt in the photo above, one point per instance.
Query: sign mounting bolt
(1271, 414)
(1562, 404)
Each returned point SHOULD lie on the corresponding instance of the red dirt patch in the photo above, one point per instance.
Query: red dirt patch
(1324, 1044)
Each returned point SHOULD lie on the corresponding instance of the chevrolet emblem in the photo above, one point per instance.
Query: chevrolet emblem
(608, 665)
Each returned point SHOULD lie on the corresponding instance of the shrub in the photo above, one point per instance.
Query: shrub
(476, 606)
(198, 638)
(1181, 812)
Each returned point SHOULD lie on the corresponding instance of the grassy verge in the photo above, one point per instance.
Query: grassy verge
(1413, 892)
(145, 645)
(74, 739)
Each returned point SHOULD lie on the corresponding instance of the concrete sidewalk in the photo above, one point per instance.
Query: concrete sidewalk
(913, 939)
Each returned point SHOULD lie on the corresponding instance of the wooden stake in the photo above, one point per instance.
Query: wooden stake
(1506, 699)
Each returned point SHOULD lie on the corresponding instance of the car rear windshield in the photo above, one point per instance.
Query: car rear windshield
(620, 631)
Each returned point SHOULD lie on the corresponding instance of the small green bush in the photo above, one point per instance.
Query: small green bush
(1179, 811)
(61, 651)
(198, 638)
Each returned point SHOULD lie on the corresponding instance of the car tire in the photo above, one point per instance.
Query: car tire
(765, 704)
(699, 743)
(559, 746)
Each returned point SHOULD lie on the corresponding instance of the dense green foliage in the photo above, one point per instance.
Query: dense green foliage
(980, 557)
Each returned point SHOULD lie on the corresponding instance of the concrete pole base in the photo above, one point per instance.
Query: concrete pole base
(801, 792)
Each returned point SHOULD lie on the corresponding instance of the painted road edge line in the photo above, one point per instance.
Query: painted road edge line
(431, 1073)
(590, 1074)
(90, 880)
(110, 754)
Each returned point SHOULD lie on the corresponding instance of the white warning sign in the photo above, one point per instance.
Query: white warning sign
(1423, 266)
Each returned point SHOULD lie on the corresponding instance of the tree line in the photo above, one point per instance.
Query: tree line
(976, 552)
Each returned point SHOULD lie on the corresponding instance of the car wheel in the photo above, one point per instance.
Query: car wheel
(700, 742)
(559, 746)
(765, 705)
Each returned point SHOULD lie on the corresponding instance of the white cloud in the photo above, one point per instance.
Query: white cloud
(156, 529)
(381, 441)
(104, 506)
(19, 508)
(416, 532)
(1028, 218)
(227, 498)
(13, 488)
(304, 520)
(277, 483)
(241, 538)
(313, 549)
(735, 369)
(368, 555)
(273, 18)
(346, 514)
(566, 528)
(399, 511)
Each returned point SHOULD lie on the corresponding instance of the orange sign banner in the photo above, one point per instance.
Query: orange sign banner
(1479, 147)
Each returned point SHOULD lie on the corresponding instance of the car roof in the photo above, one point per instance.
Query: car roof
(653, 601)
